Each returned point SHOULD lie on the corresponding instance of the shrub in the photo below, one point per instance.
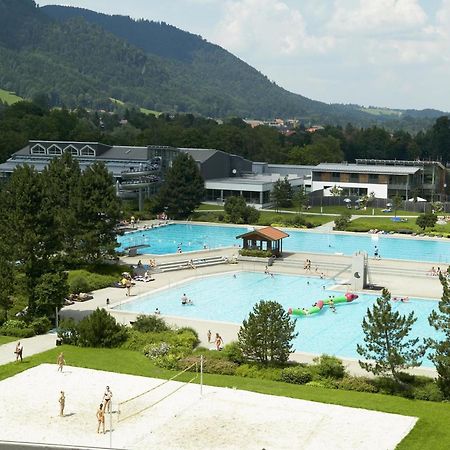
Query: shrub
(17, 328)
(78, 284)
(430, 392)
(256, 253)
(233, 352)
(150, 323)
(342, 221)
(210, 365)
(41, 325)
(359, 384)
(68, 332)
(296, 375)
(256, 371)
(191, 335)
(297, 221)
(100, 329)
(329, 367)
(154, 351)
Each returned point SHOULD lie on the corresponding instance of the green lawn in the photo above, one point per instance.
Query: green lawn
(360, 212)
(431, 432)
(6, 339)
(9, 97)
(207, 207)
(386, 224)
(150, 111)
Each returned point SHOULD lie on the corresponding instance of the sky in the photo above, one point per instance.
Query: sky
(386, 53)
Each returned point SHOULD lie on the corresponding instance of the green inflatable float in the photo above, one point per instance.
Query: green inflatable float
(317, 307)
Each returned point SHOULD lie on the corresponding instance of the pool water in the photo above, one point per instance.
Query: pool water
(167, 239)
(230, 297)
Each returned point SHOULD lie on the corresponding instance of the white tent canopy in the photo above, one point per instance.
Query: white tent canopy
(418, 199)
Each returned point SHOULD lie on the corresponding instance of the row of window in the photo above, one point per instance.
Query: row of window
(54, 149)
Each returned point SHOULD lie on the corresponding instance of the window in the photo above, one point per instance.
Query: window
(38, 149)
(373, 178)
(87, 151)
(72, 150)
(54, 150)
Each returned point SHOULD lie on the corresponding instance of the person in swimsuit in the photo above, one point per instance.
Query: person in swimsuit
(218, 341)
(62, 403)
(19, 351)
(101, 418)
(60, 361)
(107, 397)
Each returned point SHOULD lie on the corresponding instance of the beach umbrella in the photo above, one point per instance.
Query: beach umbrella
(388, 204)
(347, 200)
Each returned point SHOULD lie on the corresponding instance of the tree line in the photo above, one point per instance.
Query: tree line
(25, 121)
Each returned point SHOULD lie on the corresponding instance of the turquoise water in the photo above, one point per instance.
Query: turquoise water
(164, 240)
(226, 298)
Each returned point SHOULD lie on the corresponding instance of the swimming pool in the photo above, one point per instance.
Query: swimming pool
(226, 298)
(166, 239)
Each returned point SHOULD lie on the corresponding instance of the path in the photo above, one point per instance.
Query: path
(31, 346)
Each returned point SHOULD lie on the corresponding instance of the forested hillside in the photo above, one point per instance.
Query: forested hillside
(79, 58)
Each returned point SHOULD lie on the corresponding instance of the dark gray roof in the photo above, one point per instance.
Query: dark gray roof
(126, 153)
(361, 168)
(200, 154)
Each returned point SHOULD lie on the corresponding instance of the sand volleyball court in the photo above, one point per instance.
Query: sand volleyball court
(220, 419)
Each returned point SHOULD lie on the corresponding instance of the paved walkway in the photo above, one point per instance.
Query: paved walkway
(31, 346)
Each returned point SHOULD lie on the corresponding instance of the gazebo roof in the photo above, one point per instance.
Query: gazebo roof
(266, 233)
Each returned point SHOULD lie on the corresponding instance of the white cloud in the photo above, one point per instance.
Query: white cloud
(375, 17)
(271, 27)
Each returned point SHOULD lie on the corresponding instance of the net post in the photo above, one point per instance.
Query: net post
(110, 423)
(201, 375)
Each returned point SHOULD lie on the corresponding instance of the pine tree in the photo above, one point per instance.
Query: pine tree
(441, 322)
(183, 188)
(387, 348)
(282, 194)
(267, 333)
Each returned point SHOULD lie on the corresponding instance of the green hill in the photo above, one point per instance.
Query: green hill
(82, 58)
(9, 97)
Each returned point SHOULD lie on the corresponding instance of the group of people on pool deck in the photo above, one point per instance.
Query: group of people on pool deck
(185, 300)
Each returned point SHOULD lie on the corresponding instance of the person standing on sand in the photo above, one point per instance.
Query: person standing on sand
(19, 351)
(107, 397)
(60, 361)
(62, 403)
(209, 336)
(218, 341)
(100, 418)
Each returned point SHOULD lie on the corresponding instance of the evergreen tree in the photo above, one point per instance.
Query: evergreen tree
(440, 321)
(183, 188)
(98, 212)
(387, 348)
(51, 290)
(27, 226)
(267, 333)
(282, 194)
(6, 284)
(300, 199)
(427, 220)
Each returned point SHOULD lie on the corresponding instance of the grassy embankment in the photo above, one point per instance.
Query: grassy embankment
(9, 97)
(358, 212)
(431, 431)
(6, 339)
(386, 224)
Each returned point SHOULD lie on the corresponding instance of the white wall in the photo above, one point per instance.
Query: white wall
(380, 190)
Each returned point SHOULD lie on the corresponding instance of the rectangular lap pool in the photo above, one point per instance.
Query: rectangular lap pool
(167, 239)
(230, 297)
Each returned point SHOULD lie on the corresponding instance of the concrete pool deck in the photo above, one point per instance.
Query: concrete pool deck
(402, 278)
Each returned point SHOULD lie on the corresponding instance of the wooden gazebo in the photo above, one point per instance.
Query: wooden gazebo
(267, 238)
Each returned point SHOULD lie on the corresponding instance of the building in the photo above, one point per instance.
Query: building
(364, 179)
(139, 171)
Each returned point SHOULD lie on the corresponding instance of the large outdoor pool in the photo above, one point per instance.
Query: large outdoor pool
(230, 297)
(167, 239)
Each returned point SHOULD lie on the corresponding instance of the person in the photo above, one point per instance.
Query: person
(107, 302)
(128, 286)
(191, 264)
(376, 253)
(305, 311)
(331, 305)
(208, 334)
(19, 351)
(60, 361)
(139, 264)
(157, 311)
(234, 275)
(218, 342)
(266, 270)
(184, 299)
(404, 299)
(62, 403)
(101, 418)
(107, 397)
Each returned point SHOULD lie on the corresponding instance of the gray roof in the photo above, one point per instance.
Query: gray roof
(361, 168)
(126, 153)
(199, 154)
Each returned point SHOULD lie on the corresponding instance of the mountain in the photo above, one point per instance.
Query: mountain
(83, 58)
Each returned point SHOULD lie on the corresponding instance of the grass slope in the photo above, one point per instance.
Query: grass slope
(9, 97)
(431, 431)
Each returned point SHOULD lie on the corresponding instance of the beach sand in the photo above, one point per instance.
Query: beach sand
(223, 418)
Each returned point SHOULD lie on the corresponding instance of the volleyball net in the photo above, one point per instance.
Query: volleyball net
(150, 398)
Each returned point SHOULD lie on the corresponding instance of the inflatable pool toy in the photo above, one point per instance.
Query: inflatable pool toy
(347, 298)
(307, 311)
